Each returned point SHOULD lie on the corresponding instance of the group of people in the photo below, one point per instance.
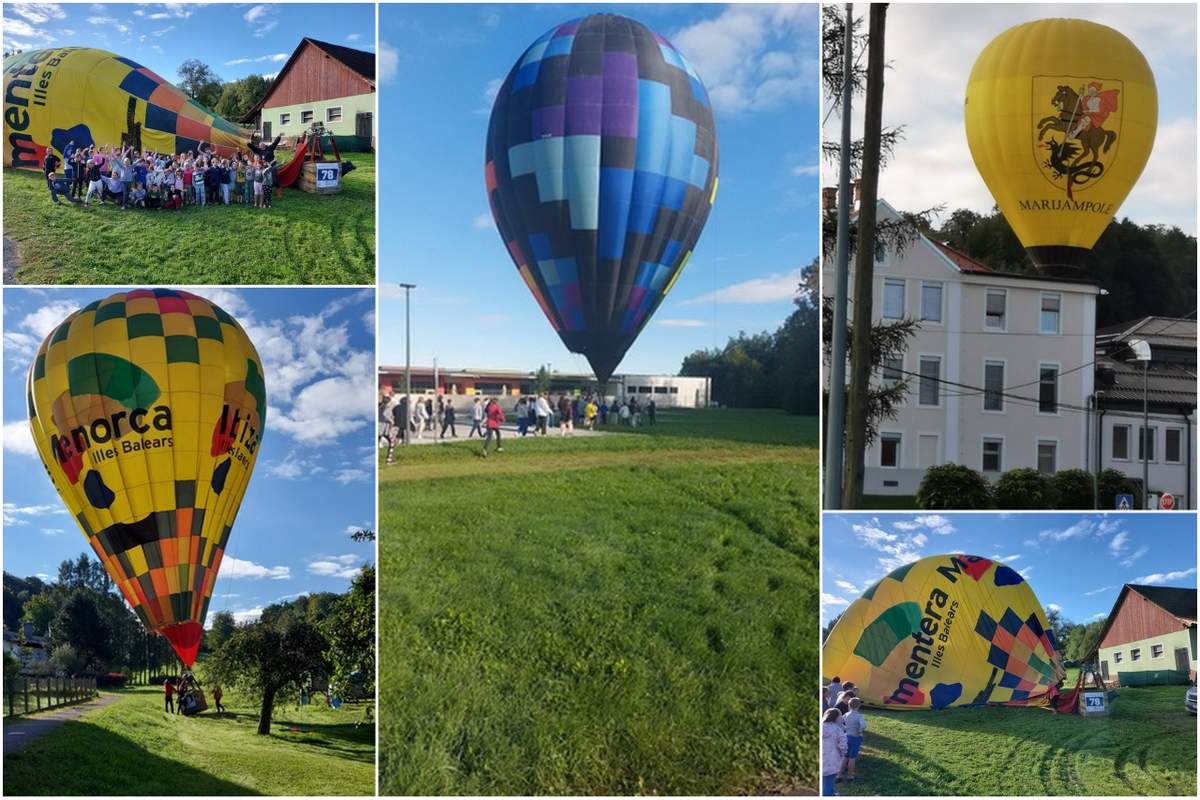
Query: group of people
(843, 727)
(185, 685)
(146, 179)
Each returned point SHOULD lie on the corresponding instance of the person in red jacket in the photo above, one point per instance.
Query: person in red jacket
(169, 696)
(495, 416)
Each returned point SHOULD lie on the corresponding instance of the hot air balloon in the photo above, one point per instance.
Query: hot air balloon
(147, 410)
(1060, 117)
(91, 96)
(601, 169)
(946, 631)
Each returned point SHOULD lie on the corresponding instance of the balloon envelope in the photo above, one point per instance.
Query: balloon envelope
(1060, 118)
(601, 169)
(952, 630)
(91, 96)
(147, 410)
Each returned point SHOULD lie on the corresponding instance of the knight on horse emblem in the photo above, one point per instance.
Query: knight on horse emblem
(1088, 119)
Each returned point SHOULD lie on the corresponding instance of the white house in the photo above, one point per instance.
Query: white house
(999, 373)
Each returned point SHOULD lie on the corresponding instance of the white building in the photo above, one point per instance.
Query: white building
(999, 373)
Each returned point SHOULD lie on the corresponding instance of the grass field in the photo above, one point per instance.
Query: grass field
(621, 614)
(302, 239)
(133, 748)
(1147, 746)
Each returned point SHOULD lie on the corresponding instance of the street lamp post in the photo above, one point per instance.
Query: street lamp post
(407, 287)
(1141, 352)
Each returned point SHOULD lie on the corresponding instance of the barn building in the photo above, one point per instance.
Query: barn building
(321, 83)
(1150, 636)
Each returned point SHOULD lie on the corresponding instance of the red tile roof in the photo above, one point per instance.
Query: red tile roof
(961, 260)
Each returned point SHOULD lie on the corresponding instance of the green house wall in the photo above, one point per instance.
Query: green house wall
(351, 107)
(1148, 669)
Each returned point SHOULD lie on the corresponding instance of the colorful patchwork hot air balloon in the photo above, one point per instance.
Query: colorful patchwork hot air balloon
(147, 410)
(89, 96)
(944, 631)
(1060, 117)
(601, 169)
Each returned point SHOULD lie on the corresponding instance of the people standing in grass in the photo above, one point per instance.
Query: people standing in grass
(268, 183)
(604, 411)
(476, 418)
(589, 414)
(652, 412)
(856, 727)
(833, 750)
(168, 696)
(566, 416)
(523, 416)
(495, 416)
(623, 413)
(541, 410)
(217, 694)
(448, 419)
(95, 184)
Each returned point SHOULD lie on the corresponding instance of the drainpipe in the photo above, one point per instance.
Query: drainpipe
(1099, 397)
(1187, 417)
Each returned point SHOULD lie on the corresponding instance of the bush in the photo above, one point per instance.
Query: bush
(953, 487)
(1112, 483)
(1024, 488)
(110, 680)
(1073, 488)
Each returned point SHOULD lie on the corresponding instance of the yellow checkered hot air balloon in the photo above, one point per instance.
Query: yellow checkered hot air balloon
(945, 631)
(90, 96)
(1060, 117)
(147, 410)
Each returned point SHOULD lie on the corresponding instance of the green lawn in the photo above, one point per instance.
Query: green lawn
(609, 615)
(133, 748)
(302, 239)
(1147, 746)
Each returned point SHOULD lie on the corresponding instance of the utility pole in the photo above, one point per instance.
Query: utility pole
(835, 427)
(407, 287)
(864, 265)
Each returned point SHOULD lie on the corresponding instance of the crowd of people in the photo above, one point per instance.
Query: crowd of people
(186, 688)
(843, 727)
(165, 181)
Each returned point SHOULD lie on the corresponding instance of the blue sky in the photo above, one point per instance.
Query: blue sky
(439, 68)
(1077, 562)
(235, 39)
(314, 479)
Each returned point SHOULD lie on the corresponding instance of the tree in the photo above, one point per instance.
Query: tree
(351, 633)
(238, 97)
(267, 659)
(1060, 626)
(1083, 639)
(40, 611)
(199, 82)
(80, 624)
(223, 627)
(65, 659)
(541, 381)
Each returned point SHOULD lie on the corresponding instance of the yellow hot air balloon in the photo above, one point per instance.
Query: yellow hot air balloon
(147, 410)
(945, 631)
(92, 96)
(1060, 117)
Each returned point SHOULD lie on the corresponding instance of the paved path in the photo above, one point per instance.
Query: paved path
(19, 735)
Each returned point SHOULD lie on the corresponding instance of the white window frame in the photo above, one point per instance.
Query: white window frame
(1162, 651)
(937, 449)
(987, 292)
(921, 377)
(331, 109)
(941, 287)
(1057, 388)
(285, 118)
(311, 116)
(1042, 299)
(1152, 439)
(991, 437)
(983, 409)
(899, 437)
(883, 379)
(1135, 654)
(903, 284)
(1128, 442)
(1037, 455)
(1116, 656)
(1168, 429)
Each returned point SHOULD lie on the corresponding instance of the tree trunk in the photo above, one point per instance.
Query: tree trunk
(264, 716)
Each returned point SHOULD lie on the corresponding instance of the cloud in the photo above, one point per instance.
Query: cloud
(48, 317)
(353, 37)
(37, 13)
(263, 18)
(19, 27)
(247, 615)
(489, 17)
(18, 438)
(681, 323)
(1004, 559)
(847, 586)
(1118, 543)
(274, 58)
(345, 566)
(1054, 607)
(833, 600)
(16, 515)
(1081, 529)
(1134, 556)
(490, 90)
(233, 568)
(1163, 577)
(388, 59)
(898, 549)
(779, 287)
(936, 523)
(1101, 590)
(803, 170)
(484, 221)
(753, 57)
(1098, 615)
(350, 475)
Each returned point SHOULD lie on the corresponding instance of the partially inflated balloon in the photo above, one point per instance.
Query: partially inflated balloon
(1060, 117)
(89, 96)
(601, 169)
(147, 410)
(951, 630)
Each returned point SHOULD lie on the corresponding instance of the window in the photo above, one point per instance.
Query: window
(893, 370)
(1156, 651)
(1117, 658)
(674, 390)
(1172, 444)
(927, 450)
(644, 389)
(993, 454)
(1047, 389)
(1051, 304)
(931, 373)
(994, 316)
(1120, 442)
(893, 299)
(1146, 443)
(284, 119)
(333, 114)
(660, 389)
(993, 386)
(931, 302)
(306, 117)
(1135, 653)
(1047, 456)
(889, 450)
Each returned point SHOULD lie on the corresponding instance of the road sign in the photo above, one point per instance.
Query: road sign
(1124, 502)
(1167, 501)
(1095, 704)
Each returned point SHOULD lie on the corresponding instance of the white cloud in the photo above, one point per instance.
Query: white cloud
(681, 323)
(803, 170)
(484, 221)
(37, 13)
(351, 475)
(1004, 559)
(388, 61)
(1098, 615)
(1101, 590)
(18, 438)
(353, 37)
(41, 322)
(1054, 607)
(52, 531)
(936, 523)
(779, 287)
(247, 615)
(263, 18)
(1024, 572)
(274, 58)
(20, 515)
(1134, 556)
(233, 568)
(19, 27)
(344, 566)
(833, 600)
(1118, 543)
(489, 17)
(490, 90)
(1081, 529)
(846, 586)
(1164, 577)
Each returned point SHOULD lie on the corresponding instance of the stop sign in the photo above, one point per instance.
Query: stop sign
(1167, 501)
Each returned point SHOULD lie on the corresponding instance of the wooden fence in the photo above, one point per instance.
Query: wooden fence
(24, 694)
